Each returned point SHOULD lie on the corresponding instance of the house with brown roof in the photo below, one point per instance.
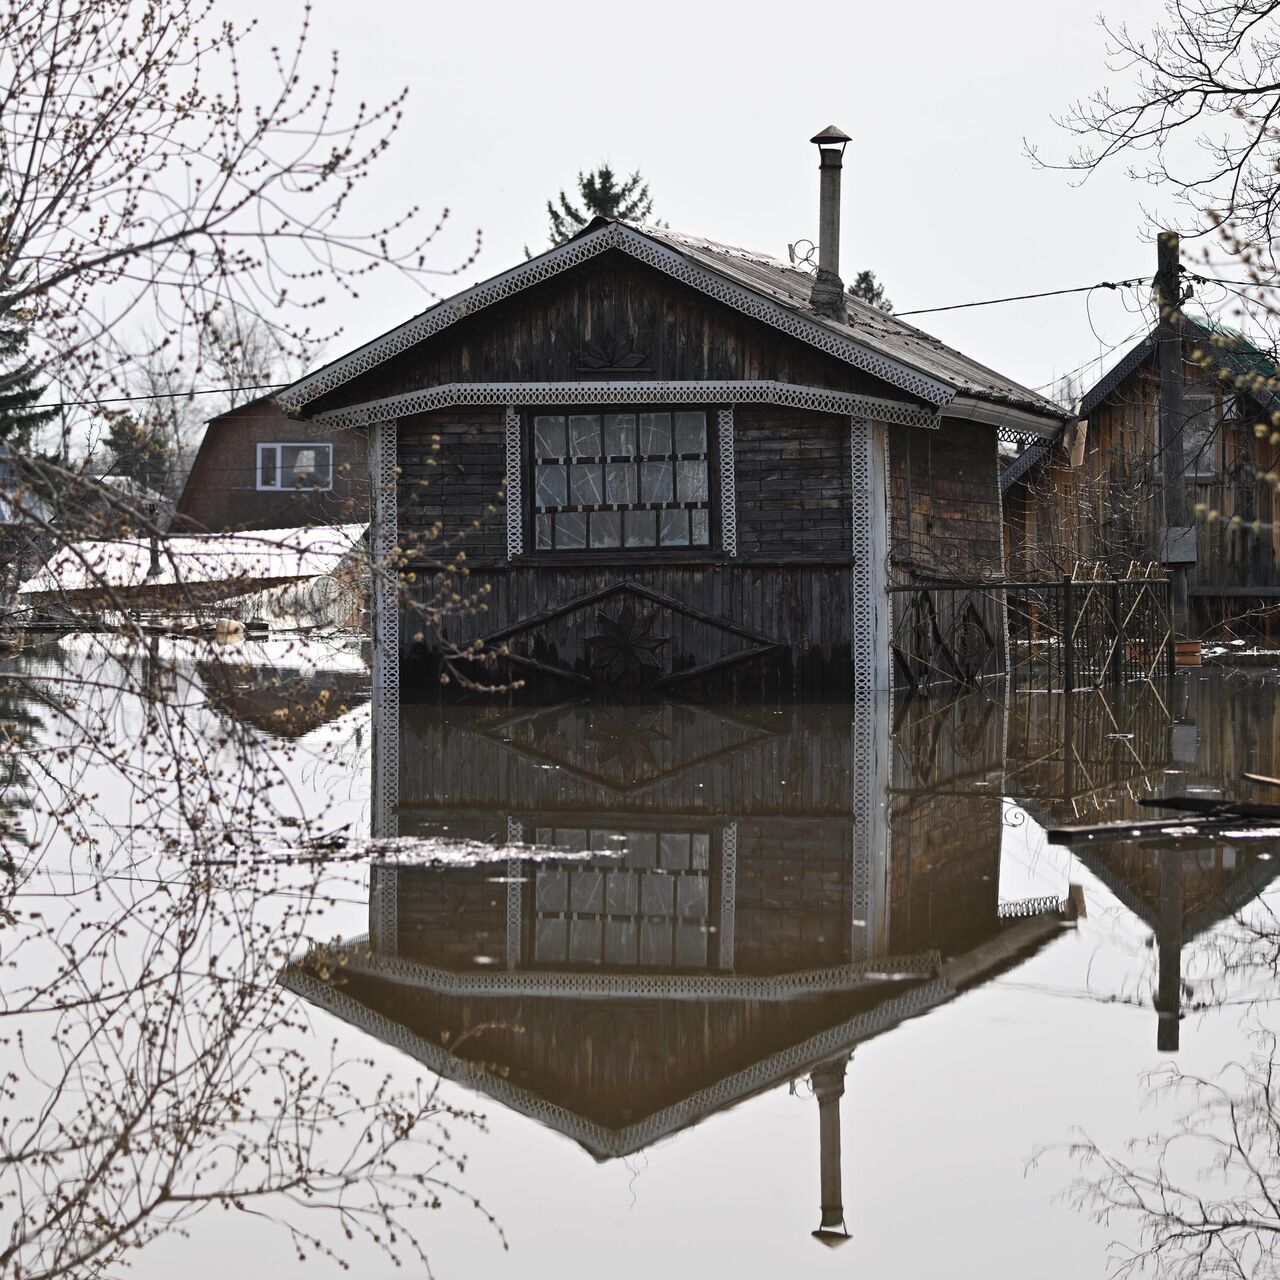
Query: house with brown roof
(673, 464)
(256, 469)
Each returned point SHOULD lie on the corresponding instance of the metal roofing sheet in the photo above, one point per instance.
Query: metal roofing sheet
(790, 287)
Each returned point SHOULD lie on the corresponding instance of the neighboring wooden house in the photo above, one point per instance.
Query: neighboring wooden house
(1105, 508)
(257, 470)
(675, 464)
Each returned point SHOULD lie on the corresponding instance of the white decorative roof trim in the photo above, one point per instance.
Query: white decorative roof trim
(639, 246)
(1013, 424)
(601, 1141)
(709, 986)
(504, 394)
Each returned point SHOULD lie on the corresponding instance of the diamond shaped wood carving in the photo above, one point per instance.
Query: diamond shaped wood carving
(628, 638)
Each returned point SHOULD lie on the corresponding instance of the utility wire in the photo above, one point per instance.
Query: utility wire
(1024, 297)
(159, 395)
(276, 386)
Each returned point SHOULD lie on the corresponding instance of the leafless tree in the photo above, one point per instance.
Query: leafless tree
(160, 163)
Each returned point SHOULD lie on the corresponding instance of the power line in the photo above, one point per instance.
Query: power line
(1024, 297)
(159, 395)
(276, 386)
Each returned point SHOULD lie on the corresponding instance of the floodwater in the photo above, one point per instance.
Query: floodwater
(799, 991)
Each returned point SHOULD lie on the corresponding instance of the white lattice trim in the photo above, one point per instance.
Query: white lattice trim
(384, 908)
(385, 697)
(515, 484)
(639, 246)
(597, 1138)
(728, 483)
(589, 985)
(506, 394)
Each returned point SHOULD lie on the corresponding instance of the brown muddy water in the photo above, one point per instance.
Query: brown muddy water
(765, 990)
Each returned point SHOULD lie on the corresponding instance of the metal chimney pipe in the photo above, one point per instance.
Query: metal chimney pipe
(827, 296)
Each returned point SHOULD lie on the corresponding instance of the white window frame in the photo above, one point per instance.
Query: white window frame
(276, 446)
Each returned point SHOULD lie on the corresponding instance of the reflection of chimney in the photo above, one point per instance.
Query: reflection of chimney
(827, 297)
(828, 1088)
(1169, 942)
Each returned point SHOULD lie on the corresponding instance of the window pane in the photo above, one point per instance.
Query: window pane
(655, 433)
(691, 896)
(304, 466)
(571, 531)
(584, 941)
(542, 529)
(548, 437)
(620, 942)
(606, 528)
(691, 482)
(620, 434)
(657, 894)
(642, 849)
(584, 484)
(267, 465)
(642, 528)
(700, 528)
(691, 945)
(587, 894)
(622, 893)
(549, 941)
(551, 487)
(675, 851)
(584, 435)
(620, 482)
(551, 889)
(691, 433)
(675, 529)
(702, 851)
(655, 482)
(655, 942)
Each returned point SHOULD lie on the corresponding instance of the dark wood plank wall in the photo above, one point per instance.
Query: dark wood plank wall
(789, 586)
(613, 306)
(1106, 508)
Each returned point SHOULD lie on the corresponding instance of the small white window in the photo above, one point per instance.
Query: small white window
(295, 466)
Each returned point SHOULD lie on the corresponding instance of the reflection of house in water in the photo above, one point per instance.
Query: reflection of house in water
(287, 688)
(684, 906)
(1094, 755)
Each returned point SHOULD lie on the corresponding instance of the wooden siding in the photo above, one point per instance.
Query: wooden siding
(653, 326)
(222, 490)
(788, 591)
(1106, 509)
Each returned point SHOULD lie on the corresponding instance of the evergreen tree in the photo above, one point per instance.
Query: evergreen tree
(602, 196)
(20, 389)
(139, 452)
(870, 290)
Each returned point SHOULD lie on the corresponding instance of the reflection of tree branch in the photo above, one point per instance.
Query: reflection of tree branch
(1205, 1193)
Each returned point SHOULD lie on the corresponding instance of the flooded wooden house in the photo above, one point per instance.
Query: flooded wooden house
(673, 464)
(1096, 497)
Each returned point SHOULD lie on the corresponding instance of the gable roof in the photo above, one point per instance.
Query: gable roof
(749, 282)
(1227, 350)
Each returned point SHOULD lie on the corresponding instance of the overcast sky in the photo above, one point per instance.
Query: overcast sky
(715, 104)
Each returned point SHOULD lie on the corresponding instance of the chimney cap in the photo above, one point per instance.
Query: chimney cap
(830, 135)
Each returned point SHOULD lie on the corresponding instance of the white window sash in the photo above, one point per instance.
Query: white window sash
(277, 448)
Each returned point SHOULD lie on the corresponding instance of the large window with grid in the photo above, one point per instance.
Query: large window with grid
(621, 481)
(651, 907)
